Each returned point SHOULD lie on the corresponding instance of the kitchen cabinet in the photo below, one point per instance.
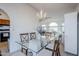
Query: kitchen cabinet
(4, 22)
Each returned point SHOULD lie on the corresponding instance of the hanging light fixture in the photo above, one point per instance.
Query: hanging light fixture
(42, 15)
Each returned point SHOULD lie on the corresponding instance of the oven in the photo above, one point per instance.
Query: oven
(4, 36)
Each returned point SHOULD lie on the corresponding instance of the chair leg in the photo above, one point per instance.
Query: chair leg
(0, 53)
(52, 53)
(56, 53)
(26, 52)
(59, 53)
(22, 50)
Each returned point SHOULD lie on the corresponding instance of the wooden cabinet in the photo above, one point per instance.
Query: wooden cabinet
(4, 22)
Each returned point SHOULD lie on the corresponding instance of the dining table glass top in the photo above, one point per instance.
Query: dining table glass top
(34, 45)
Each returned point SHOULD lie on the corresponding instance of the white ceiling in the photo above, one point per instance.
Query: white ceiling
(54, 8)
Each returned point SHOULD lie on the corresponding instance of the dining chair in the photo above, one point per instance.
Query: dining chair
(24, 39)
(56, 49)
(32, 35)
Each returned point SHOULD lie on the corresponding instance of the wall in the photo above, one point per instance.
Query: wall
(77, 8)
(71, 33)
(22, 19)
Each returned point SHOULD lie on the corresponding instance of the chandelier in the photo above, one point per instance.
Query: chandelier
(41, 15)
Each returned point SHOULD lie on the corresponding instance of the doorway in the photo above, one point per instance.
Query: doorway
(4, 32)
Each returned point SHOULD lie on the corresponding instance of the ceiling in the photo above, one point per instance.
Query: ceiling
(54, 8)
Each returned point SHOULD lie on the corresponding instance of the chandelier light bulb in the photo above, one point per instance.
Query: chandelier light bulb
(41, 15)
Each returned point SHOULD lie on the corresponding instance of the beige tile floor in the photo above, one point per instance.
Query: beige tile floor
(3, 45)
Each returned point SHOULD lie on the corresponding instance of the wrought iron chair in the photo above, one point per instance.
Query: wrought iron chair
(32, 35)
(56, 50)
(24, 39)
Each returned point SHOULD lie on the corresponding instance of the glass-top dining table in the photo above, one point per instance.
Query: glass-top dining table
(35, 46)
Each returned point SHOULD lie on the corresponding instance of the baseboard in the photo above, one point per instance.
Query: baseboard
(70, 53)
(15, 52)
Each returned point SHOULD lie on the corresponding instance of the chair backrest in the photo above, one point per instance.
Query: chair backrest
(56, 44)
(24, 37)
(32, 35)
(48, 35)
(56, 49)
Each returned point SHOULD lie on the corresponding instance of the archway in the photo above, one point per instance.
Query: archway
(4, 31)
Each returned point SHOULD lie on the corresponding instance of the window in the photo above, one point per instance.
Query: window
(62, 24)
(53, 27)
(43, 27)
(53, 24)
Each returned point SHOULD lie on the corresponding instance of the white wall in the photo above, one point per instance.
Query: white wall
(77, 8)
(71, 33)
(22, 19)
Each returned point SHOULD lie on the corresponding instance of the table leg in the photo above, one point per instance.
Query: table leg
(26, 52)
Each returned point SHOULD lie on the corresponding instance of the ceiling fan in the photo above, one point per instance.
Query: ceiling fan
(42, 15)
